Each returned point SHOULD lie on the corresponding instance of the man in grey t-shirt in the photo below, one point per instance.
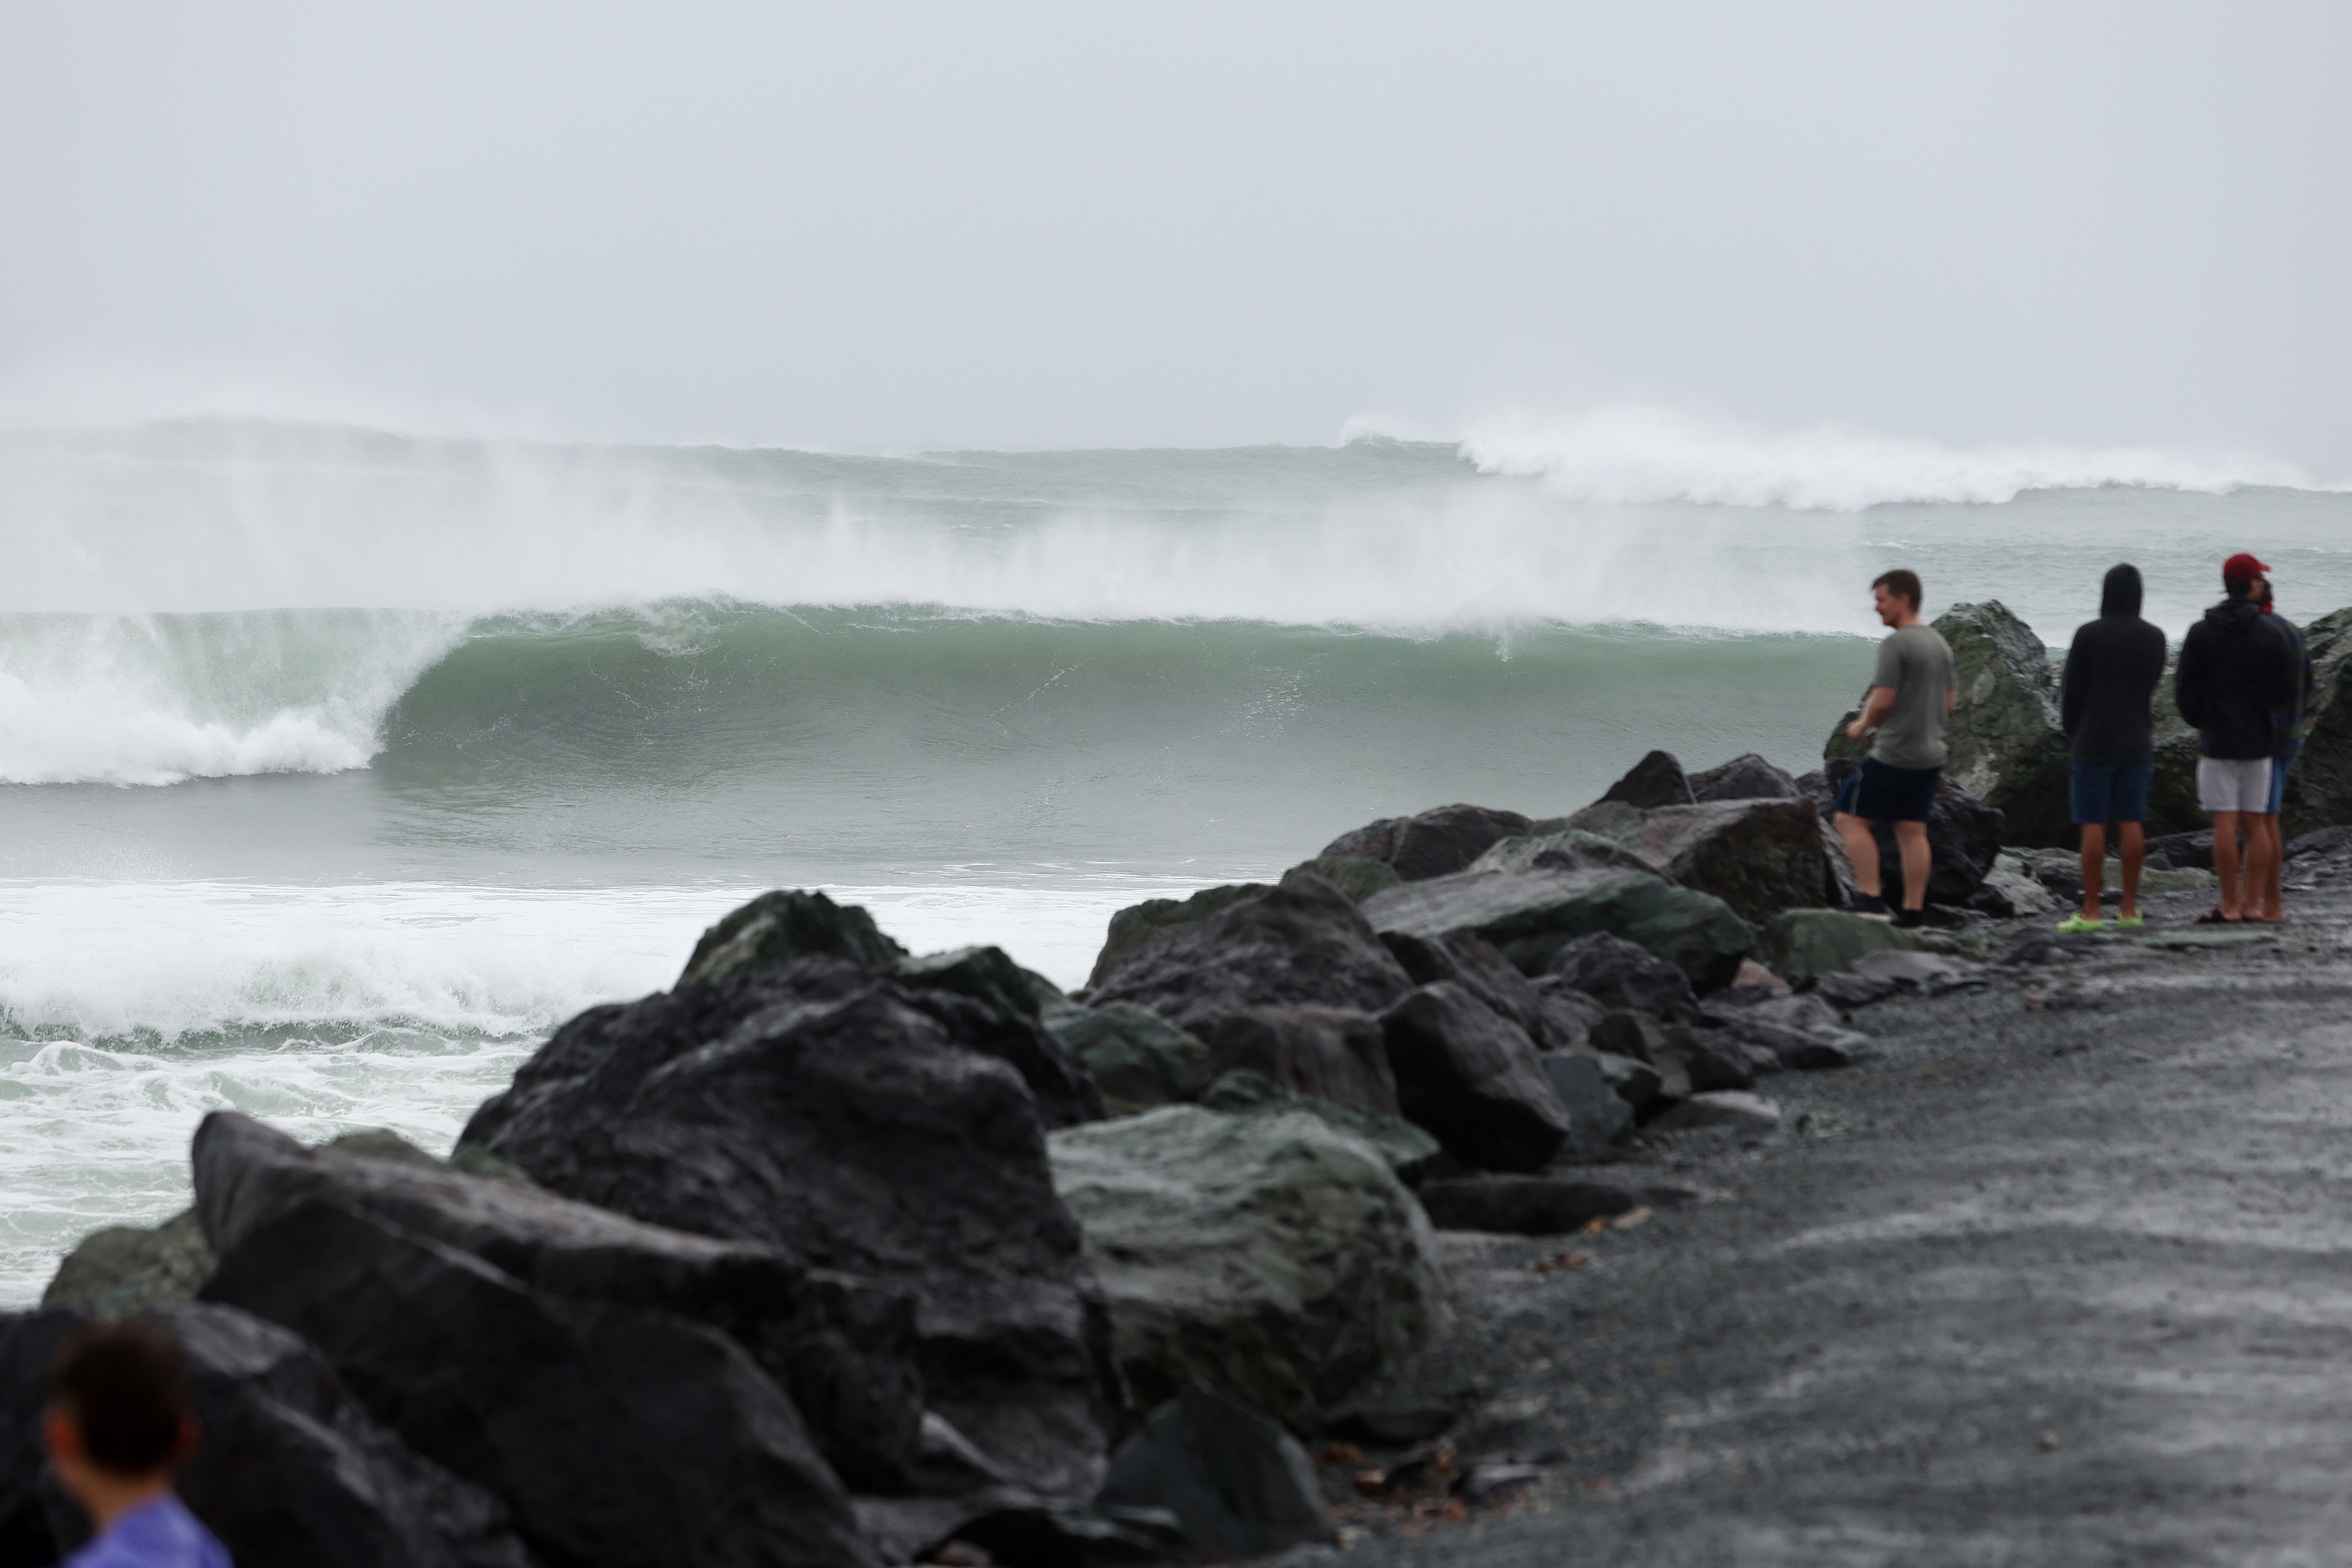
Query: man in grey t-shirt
(1911, 695)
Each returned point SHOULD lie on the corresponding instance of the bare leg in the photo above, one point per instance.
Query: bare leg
(2094, 867)
(2261, 864)
(2225, 862)
(2271, 906)
(2134, 847)
(1862, 848)
(1911, 838)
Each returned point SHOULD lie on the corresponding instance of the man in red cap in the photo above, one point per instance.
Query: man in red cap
(2237, 670)
(2286, 725)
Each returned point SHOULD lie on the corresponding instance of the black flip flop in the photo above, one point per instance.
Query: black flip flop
(2215, 918)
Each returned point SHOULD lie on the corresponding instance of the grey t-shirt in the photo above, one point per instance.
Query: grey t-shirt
(1917, 663)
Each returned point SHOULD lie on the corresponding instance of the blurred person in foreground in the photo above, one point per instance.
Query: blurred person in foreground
(2105, 704)
(2264, 903)
(117, 1424)
(2237, 672)
(1911, 695)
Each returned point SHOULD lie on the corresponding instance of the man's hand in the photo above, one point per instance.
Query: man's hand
(1875, 707)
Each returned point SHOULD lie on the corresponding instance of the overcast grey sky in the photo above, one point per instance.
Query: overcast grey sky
(901, 225)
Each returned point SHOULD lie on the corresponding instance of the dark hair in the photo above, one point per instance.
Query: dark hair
(1903, 582)
(2239, 587)
(126, 1387)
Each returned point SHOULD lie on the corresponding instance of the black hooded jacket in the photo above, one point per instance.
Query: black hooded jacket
(2236, 669)
(2111, 675)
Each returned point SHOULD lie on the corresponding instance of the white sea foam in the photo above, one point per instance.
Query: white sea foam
(143, 699)
(1636, 453)
(128, 1011)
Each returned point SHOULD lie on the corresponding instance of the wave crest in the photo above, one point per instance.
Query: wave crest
(155, 700)
(1636, 453)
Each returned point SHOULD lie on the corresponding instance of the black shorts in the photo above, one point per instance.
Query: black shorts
(1878, 791)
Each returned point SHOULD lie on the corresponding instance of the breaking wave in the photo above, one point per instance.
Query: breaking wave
(1631, 455)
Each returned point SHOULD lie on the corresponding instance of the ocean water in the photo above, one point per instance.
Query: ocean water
(337, 767)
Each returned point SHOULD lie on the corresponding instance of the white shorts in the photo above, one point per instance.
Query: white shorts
(2232, 785)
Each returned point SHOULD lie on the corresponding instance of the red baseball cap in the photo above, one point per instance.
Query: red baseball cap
(2242, 567)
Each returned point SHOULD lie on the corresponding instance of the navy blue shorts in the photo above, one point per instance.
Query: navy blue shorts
(2110, 792)
(2280, 768)
(1878, 791)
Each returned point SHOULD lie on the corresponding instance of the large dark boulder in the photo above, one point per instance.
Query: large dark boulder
(1805, 944)
(1688, 1062)
(2319, 791)
(778, 927)
(1373, 841)
(1746, 777)
(1552, 845)
(1156, 920)
(985, 974)
(1241, 1486)
(1353, 875)
(619, 1436)
(291, 1471)
(1409, 1150)
(1656, 780)
(1441, 842)
(1619, 974)
(1597, 1114)
(1553, 1022)
(1302, 942)
(1065, 1092)
(843, 1348)
(1472, 1079)
(1759, 857)
(1138, 1059)
(1527, 915)
(1330, 1053)
(820, 1109)
(1275, 1256)
(123, 1269)
(1436, 843)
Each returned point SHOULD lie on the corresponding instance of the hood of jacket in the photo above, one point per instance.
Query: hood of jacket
(2121, 594)
(2234, 617)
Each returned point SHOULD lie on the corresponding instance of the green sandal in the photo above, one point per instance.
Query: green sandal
(2130, 922)
(2074, 923)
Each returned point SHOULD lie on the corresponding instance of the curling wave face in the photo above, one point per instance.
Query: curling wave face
(946, 569)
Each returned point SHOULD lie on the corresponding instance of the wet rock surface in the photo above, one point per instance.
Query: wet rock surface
(618, 1436)
(1302, 944)
(1473, 1078)
(2061, 1241)
(125, 1269)
(1759, 855)
(1240, 1485)
(1329, 1053)
(825, 1110)
(1528, 916)
(1139, 1058)
(845, 1349)
(1274, 1258)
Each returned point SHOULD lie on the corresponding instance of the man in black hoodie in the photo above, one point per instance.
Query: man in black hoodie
(2104, 703)
(2237, 669)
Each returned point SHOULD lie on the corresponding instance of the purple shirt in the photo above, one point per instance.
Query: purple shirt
(159, 1535)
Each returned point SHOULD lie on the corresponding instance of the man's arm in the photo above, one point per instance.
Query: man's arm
(1875, 708)
(2072, 698)
(2188, 682)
